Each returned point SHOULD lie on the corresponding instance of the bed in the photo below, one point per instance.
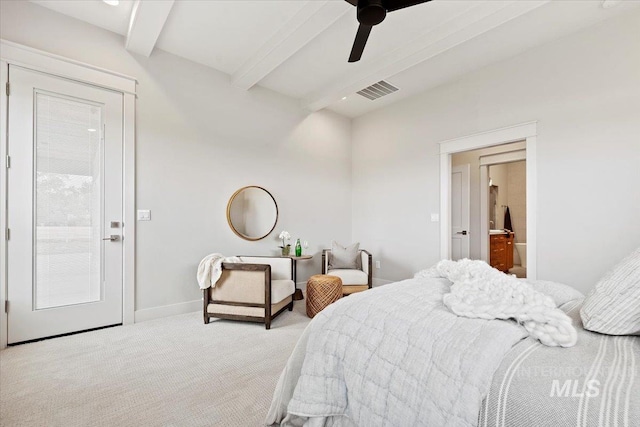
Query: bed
(396, 356)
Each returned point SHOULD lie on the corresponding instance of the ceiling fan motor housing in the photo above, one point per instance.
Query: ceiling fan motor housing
(371, 12)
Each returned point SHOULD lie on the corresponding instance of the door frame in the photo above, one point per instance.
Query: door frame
(58, 66)
(522, 132)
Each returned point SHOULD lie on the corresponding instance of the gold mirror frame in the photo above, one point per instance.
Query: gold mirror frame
(253, 239)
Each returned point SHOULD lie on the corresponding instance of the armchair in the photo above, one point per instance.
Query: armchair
(256, 290)
(352, 280)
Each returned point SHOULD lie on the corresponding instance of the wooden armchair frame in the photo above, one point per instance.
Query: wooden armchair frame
(267, 306)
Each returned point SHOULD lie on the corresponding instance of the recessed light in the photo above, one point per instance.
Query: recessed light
(112, 2)
(344, 97)
(91, 130)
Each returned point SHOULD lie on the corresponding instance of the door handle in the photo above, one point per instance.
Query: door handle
(112, 238)
(463, 232)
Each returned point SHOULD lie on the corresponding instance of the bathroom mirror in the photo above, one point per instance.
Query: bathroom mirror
(252, 213)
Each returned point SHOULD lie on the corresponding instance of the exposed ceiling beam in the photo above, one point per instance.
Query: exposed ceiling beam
(308, 23)
(475, 21)
(146, 22)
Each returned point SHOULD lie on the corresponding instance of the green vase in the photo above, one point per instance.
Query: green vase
(286, 250)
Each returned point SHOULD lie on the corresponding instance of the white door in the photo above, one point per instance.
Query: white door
(64, 197)
(460, 212)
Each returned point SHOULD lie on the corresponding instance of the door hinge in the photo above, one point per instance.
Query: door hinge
(8, 162)
(6, 306)
(8, 88)
(8, 234)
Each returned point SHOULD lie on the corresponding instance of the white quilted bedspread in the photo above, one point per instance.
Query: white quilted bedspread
(392, 356)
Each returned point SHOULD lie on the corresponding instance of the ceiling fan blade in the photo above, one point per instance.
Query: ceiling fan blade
(353, 2)
(361, 40)
(392, 5)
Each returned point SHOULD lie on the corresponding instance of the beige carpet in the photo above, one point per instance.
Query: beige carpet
(174, 371)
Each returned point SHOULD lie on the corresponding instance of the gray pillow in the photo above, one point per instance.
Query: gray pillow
(560, 292)
(344, 257)
(613, 306)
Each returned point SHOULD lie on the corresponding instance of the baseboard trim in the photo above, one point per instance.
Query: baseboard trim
(167, 310)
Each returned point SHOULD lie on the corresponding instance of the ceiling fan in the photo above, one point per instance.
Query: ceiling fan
(370, 13)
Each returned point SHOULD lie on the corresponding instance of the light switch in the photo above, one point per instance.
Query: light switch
(377, 264)
(435, 217)
(144, 215)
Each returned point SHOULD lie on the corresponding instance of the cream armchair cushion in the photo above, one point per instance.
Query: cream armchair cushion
(350, 277)
(281, 289)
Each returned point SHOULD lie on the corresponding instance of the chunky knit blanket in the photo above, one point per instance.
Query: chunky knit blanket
(479, 291)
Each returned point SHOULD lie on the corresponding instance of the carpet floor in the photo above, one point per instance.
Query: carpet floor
(174, 371)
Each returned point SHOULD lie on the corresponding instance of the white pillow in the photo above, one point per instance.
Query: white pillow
(344, 257)
(613, 306)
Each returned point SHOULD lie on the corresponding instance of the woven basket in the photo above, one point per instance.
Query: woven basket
(322, 290)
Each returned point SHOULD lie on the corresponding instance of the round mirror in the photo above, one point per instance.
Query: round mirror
(252, 213)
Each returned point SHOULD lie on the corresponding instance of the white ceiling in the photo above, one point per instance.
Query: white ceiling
(300, 48)
(94, 12)
(223, 34)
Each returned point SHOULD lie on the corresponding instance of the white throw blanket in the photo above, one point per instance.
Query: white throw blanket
(482, 292)
(210, 269)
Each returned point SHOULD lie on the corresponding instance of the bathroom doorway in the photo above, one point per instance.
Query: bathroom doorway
(497, 205)
(526, 133)
(507, 193)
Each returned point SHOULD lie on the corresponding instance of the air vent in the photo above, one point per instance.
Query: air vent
(377, 90)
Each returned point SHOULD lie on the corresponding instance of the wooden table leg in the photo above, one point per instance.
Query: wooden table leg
(297, 296)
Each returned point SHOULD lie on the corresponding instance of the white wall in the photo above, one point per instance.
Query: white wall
(583, 89)
(198, 139)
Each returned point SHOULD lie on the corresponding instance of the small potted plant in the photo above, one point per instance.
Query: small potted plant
(286, 248)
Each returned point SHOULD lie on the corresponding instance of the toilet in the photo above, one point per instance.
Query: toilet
(522, 253)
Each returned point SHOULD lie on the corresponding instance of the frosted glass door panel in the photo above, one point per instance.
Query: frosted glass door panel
(68, 201)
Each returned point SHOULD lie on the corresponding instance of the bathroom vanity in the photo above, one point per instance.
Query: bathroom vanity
(501, 250)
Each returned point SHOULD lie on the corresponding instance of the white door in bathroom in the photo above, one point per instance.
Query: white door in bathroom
(460, 211)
